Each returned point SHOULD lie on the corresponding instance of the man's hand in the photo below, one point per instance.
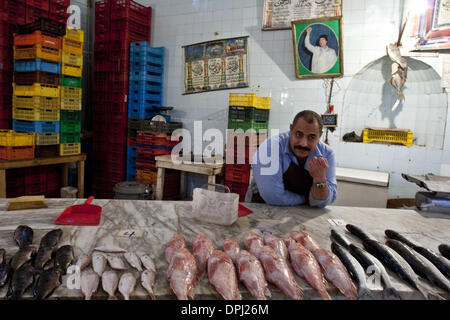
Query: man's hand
(318, 168)
(308, 31)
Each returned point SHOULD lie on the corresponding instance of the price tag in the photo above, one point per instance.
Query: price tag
(336, 222)
(130, 233)
(329, 120)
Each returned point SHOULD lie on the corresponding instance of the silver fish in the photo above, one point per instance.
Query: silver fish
(393, 51)
(83, 261)
(127, 284)
(98, 263)
(148, 280)
(110, 249)
(89, 283)
(147, 261)
(116, 262)
(110, 281)
(133, 260)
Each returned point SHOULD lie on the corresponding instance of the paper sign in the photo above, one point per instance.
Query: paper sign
(336, 222)
(130, 233)
(445, 81)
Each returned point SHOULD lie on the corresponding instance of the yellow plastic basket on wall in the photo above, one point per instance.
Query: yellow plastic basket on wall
(249, 100)
(401, 136)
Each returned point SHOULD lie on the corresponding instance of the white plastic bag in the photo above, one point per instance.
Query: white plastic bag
(215, 207)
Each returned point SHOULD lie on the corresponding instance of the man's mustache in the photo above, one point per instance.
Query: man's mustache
(302, 148)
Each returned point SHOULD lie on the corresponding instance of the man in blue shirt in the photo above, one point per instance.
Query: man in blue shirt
(295, 167)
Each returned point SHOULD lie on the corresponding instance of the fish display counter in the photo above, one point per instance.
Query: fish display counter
(134, 235)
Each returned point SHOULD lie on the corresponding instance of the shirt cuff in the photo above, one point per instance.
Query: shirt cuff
(320, 203)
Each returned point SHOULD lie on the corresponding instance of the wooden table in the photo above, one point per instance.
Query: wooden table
(165, 162)
(64, 160)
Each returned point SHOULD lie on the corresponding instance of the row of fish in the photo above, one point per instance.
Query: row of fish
(406, 259)
(43, 266)
(110, 280)
(266, 259)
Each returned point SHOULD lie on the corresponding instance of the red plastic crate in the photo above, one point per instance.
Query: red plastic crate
(132, 142)
(35, 189)
(40, 4)
(121, 65)
(102, 9)
(13, 12)
(237, 173)
(5, 123)
(36, 178)
(5, 112)
(129, 35)
(127, 9)
(16, 153)
(6, 40)
(33, 13)
(6, 53)
(121, 25)
(239, 188)
(58, 11)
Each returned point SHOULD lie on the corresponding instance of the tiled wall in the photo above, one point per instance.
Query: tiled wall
(368, 26)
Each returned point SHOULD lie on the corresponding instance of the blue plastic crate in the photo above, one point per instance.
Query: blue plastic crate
(138, 96)
(131, 153)
(139, 46)
(145, 86)
(153, 68)
(131, 177)
(131, 168)
(37, 65)
(36, 126)
(142, 112)
(143, 75)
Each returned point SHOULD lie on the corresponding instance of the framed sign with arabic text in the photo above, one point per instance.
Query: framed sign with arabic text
(216, 65)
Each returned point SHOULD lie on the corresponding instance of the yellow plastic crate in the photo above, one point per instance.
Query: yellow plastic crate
(72, 59)
(145, 176)
(47, 139)
(67, 149)
(73, 71)
(37, 89)
(402, 136)
(35, 114)
(71, 93)
(36, 52)
(243, 99)
(263, 103)
(74, 34)
(70, 46)
(71, 104)
(10, 138)
(36, 102)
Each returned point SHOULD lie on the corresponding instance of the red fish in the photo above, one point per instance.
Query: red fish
(222, 275)
(231, 248)
(202, 249)
(182, 274)
(251, 273)
(177, 242)
(277, 244)
(304, 239)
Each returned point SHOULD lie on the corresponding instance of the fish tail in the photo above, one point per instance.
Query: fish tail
(390, 293)
(400, 95)
(364, 293)
(397, 103)
(324, 294)
(152, 296)
(428, 294)
(112, 298)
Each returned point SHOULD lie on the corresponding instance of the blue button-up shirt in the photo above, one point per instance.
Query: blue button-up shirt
(271, 186)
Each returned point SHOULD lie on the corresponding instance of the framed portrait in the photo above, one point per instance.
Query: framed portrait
(318, 48)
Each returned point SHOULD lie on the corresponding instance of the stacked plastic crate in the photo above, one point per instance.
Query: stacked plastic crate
(246, 111)
(71, 92)
(117, 23)
(36, 86)
(145, 93)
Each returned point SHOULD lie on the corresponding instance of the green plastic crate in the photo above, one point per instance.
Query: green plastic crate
(70, 126)
(245, 125)
(69, 115)
(70, 81)
(248, 114)
(70, 137)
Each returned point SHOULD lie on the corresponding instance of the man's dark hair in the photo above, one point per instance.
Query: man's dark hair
(324, 36)
(310, 117)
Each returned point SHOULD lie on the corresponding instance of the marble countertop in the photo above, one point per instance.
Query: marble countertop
(162, 219)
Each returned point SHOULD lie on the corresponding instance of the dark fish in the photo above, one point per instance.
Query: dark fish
(398, 265)
(48, 281)
(5, 273)
(22, 279)
(391, 234)
(369, 261)
(439, 261)
(354, 269)
(63, 258)
(420, 264)
(51, 238)
(444, 249)
(21, 257)
(339, 237)
(23, 236)
(358, 232)
(43, 256)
